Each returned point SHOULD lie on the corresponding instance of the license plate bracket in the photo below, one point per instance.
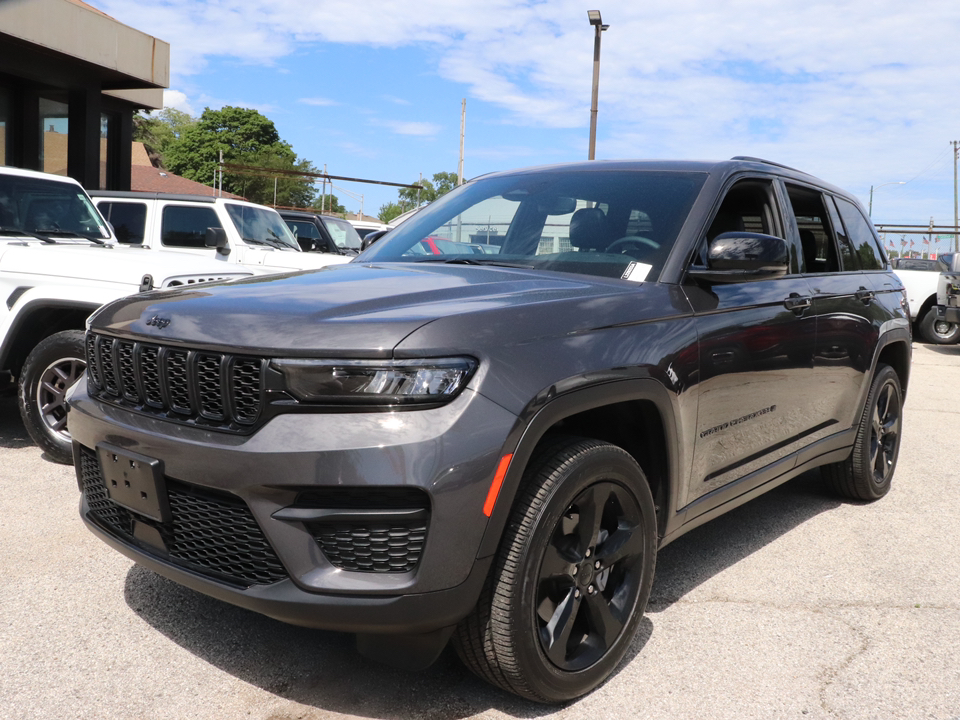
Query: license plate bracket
(134, 481)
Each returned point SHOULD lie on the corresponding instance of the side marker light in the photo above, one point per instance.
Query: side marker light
(495, 485)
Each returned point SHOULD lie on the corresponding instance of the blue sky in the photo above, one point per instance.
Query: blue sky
(859, 93)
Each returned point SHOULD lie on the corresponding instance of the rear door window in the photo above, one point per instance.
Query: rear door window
(185, 226)
(864, 241)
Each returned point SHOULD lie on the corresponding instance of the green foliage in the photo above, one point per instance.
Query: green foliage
(389, 211)
(328, 206)
(246, 138)
(443, 182)
(157, 131)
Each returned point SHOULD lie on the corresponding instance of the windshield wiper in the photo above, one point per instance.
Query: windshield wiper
(20, 231)
(262, 241)
(473, 260)
(69, 234)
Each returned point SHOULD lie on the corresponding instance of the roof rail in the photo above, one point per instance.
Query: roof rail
(747, 158)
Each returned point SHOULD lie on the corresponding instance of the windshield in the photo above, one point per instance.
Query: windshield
(261, 226)
(593, 222)
(343, 233)
(35, 206)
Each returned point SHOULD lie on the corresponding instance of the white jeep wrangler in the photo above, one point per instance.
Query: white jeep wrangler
(59, 262)
(245, 233)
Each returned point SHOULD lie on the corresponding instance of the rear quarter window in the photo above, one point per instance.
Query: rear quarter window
(864, 242)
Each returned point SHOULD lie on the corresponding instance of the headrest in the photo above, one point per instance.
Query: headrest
(586, 229)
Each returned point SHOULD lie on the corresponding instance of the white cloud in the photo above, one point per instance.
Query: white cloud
(177, 100)
(318, 101)
(847, 90)
(400, 127)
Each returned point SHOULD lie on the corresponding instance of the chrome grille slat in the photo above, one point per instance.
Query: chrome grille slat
(212, 390)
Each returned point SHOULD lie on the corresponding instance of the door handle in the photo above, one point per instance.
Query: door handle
(864, 295)
(797, 303)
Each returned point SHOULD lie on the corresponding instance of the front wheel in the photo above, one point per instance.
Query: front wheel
(50, 370)
(938, 331)
(868, 472)
(572, 576)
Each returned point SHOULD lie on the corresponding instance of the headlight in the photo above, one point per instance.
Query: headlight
(376, 382)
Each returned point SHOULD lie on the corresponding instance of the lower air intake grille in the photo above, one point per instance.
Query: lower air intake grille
(214, 535)
(372, 547)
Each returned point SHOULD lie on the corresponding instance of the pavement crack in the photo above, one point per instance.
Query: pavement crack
(830, 674)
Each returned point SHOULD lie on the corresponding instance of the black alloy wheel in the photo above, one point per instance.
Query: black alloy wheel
(868, 473)
(572, 577)
(590, 576)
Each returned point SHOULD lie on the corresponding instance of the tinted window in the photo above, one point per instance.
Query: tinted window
(596, 222)
(848, 258)
(128, 220)
(862, 237)
(184, 226)
(816, 235)
(49, 207)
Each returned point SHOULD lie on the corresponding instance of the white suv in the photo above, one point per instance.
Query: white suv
(244, 233)
(59, 262)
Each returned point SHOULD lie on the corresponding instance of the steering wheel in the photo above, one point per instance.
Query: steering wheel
(632, 242)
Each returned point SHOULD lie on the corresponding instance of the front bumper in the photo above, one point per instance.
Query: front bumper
(448, 453)
(950, 314)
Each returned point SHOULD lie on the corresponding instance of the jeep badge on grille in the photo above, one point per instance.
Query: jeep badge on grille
(158, 322)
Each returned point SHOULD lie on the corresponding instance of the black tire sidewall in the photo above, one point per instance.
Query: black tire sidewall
(929, 336)
(64, 345)
(603, 463)
(862, 468)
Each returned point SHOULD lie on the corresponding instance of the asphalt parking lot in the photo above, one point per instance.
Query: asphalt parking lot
(795, 605)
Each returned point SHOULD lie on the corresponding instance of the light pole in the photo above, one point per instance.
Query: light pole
(599, 27)
(870, 208)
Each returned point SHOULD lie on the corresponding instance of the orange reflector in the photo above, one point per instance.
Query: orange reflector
(495, 485)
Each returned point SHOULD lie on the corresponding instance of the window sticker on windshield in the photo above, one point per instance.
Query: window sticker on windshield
(636, 272)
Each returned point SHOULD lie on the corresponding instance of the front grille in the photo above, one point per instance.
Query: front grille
(215, 390)
(381, 544)
(211, 534)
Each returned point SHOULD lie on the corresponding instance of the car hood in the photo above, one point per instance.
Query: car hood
(361, 310)
(108, 264)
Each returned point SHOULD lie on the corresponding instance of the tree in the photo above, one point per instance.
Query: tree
(246, 138)
(389, 211)
(443, 182)
(157, 131)
(330, 205)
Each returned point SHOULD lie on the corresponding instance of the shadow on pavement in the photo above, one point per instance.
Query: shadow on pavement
(721, 543)
(323, 669)
(12, 433)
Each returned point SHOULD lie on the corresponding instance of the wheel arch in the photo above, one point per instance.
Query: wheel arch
(36, 321)
(636, 415)
(895, 350)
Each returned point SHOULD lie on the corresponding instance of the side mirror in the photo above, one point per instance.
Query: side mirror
(955, 263)
(743, 257)
(371, 238)
(217, 238)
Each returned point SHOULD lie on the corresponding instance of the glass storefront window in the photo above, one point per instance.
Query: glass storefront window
(104, 134)
(6, 106)
(53, 136)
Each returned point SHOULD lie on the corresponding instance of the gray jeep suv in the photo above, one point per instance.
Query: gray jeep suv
(492, 446)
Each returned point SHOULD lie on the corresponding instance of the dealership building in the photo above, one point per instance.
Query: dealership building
(71, 79)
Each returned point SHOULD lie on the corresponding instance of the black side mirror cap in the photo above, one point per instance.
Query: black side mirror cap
(217, 238)
(743, 257)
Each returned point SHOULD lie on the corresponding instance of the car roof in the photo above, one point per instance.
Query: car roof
(20, 172)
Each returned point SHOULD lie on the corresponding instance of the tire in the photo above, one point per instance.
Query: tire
(569, 584)
(936, 331)
(868, 472)
(51, 369)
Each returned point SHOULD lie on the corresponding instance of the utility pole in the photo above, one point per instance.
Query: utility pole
(956, 224)
(599, 27)
(463, 120)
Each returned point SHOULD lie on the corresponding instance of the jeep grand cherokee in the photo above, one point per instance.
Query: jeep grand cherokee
(493, 446)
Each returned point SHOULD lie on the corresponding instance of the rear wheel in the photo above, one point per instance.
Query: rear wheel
(868, 472)
(938, 331)
(51, 369)
(572, 576)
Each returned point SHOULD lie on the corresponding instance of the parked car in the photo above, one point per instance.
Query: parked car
(322, 233)
(365, 227)
(493, 447)
(246, 233)
(920, 277)
(59, 262)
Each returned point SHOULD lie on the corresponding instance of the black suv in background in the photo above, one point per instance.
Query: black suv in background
(322, 233)
(493, 446)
